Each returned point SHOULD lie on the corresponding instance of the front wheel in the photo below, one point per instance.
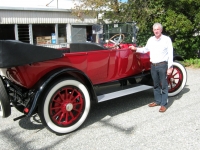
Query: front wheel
(65, 106)
(177, 79)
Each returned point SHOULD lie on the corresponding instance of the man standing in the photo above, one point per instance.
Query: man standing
(161, 58)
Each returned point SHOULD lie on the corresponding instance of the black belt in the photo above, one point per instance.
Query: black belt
(156, 64)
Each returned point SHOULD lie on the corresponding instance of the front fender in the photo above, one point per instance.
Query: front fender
(45, 81)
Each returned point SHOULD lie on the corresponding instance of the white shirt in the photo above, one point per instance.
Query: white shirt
(160, 49)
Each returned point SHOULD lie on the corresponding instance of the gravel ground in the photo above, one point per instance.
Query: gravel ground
(125, 123)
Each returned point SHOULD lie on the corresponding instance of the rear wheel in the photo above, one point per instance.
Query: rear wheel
(65, 107)
(177, 79)
(5, 109)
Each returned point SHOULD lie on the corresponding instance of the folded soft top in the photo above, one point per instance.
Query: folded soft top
(15, 53)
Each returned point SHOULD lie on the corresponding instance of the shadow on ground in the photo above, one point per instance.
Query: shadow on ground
(108, 108)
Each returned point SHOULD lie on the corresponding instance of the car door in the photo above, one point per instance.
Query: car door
(143, 60)
(98, 65)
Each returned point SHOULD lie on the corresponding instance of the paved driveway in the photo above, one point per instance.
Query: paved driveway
(125, 123)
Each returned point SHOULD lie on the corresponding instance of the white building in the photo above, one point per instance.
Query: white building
(47, 22)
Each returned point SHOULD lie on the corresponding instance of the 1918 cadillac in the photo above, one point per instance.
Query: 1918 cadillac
(60, 84)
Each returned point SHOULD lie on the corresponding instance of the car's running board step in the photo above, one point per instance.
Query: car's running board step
(121, 93)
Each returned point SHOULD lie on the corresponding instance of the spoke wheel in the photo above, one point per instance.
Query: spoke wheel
(177, 79)
(65, 107)
(5, 109)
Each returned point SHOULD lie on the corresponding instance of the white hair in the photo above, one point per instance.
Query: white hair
(158, 24)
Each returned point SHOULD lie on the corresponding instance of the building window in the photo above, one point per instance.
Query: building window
(7, 32)
(42, 33)
(62, 33)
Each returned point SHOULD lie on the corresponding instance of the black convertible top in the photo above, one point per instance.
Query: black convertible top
(16, 53)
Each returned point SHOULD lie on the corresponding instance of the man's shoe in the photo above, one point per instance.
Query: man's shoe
(162, 109)
(153, 104)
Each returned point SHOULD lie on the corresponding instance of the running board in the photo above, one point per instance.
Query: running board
(121, 93)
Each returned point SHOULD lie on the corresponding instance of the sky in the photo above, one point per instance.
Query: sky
(36, 3)
(66, 4)
(123, 0)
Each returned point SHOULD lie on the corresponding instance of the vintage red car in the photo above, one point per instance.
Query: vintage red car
(60, 84)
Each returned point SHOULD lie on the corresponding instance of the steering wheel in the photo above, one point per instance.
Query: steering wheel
(116, 40)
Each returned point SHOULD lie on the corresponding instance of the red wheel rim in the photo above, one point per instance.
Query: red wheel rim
(175, 79)
(66, 106)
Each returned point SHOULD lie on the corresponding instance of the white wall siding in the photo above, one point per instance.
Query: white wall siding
(40, 17)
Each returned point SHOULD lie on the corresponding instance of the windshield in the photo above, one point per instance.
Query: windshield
(104, 32)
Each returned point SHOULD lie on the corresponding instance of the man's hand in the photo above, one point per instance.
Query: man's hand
(133, 48)
(169, 71)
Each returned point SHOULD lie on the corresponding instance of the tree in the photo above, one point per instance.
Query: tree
(95, 7)
(180, 19)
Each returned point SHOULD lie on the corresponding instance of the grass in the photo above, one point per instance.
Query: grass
(194, 63)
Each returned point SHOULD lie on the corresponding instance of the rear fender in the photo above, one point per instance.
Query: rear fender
(178, 57)
(59, 73)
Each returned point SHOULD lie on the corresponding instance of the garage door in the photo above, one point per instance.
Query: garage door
(78, 33)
